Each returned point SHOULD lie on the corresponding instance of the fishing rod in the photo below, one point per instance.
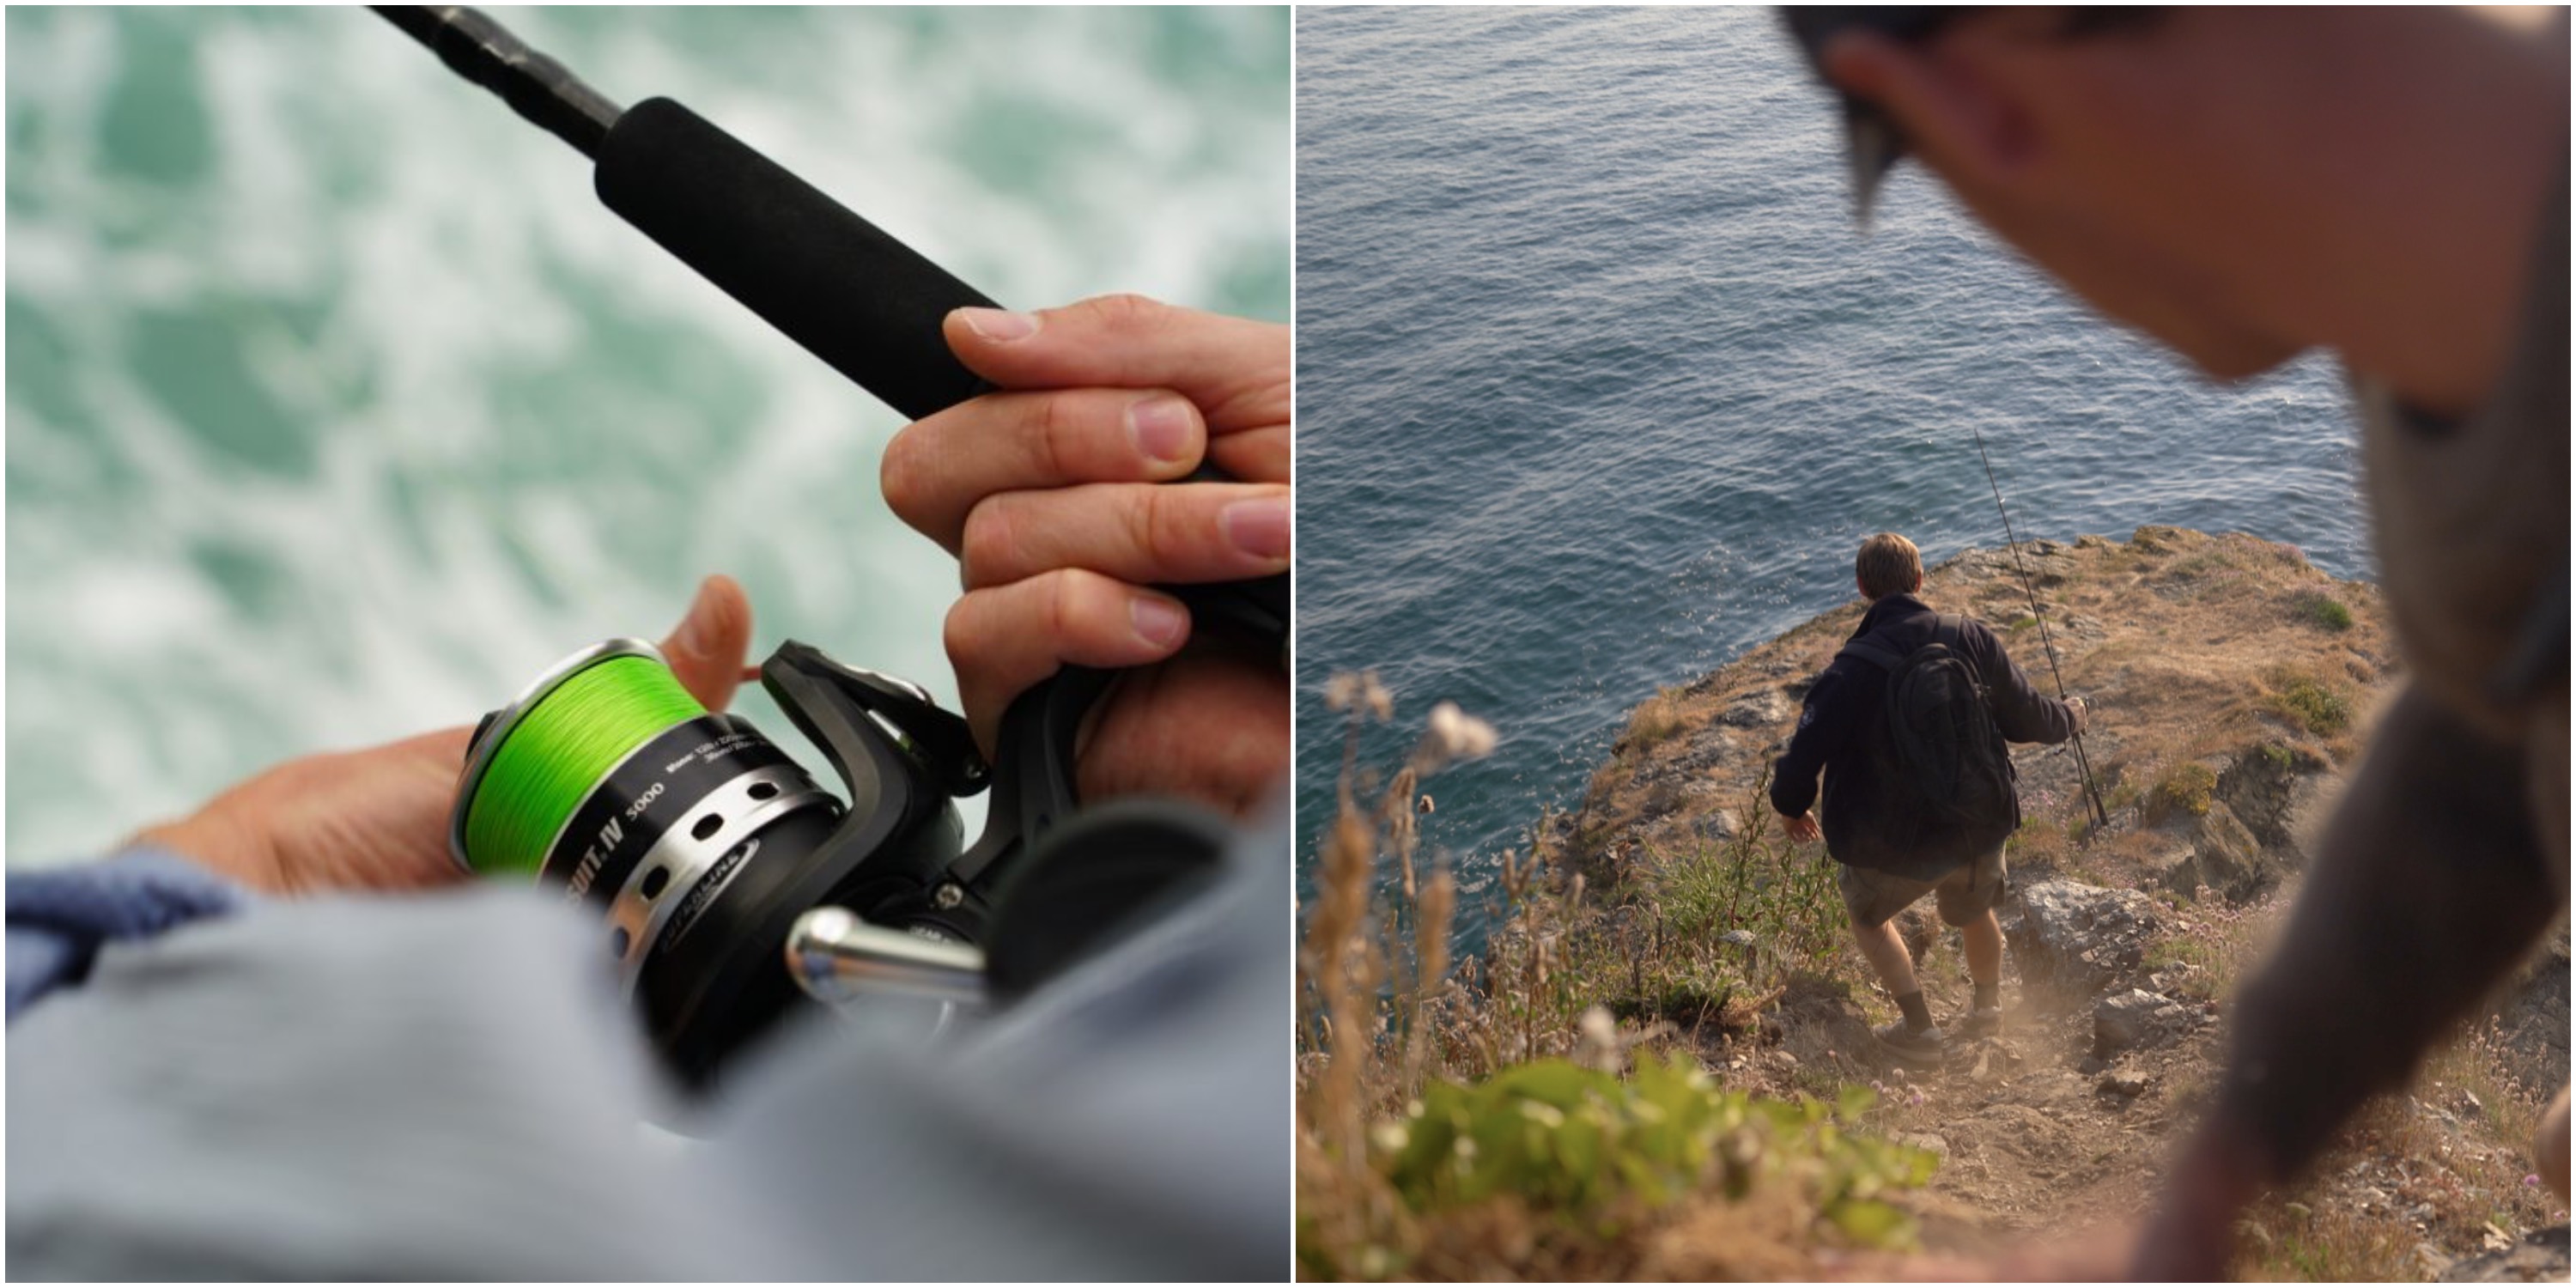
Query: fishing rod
(708, 852)
(2092, 795)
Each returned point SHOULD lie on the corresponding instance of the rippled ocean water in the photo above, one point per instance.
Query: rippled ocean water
(1599, 386)
(338, 407)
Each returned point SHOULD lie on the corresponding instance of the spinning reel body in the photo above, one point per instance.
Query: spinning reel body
(725, 878)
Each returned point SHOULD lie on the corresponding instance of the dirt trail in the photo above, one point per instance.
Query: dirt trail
(2231, 683)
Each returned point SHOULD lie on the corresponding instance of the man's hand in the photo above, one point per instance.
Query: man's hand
(2075, 707)
(1801, 828)
(377, 819)
(1057, 497)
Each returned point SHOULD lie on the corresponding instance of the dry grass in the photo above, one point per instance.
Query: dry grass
(1654, 720)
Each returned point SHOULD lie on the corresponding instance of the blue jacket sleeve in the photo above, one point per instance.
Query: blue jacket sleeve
(59, 917)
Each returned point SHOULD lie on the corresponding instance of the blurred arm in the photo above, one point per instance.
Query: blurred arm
(58, 919)
(2428, 887)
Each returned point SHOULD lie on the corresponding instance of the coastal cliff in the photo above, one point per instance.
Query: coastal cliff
(2232, 686)
(1664, 955)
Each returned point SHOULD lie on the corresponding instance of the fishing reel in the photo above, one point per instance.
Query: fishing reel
(729, 887)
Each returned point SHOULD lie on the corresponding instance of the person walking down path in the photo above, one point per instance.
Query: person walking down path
(1908, 724)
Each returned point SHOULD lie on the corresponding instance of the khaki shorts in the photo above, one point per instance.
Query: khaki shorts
(1872, 896)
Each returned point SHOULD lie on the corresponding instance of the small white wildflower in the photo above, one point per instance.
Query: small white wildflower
(1449, 735)
(1464, 736)
(1380, 703)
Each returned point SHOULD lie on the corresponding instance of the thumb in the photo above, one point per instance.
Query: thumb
(706, 650)
(1118, 341)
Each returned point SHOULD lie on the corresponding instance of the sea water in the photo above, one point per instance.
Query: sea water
(338, 407)
(1599, 385)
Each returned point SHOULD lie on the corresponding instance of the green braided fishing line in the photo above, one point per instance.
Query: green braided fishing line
(560, 750)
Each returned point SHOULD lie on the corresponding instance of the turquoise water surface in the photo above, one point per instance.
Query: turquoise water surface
(338, 407)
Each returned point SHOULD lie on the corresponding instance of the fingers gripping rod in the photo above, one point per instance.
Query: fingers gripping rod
(2092, 795)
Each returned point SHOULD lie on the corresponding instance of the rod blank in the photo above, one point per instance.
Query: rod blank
(537, 87)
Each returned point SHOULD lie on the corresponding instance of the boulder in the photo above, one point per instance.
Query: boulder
(2228, 857)
(1759, 709)
(2085, 937)
(2537, 1257)
(1716, 825)
(1707, 749)
(2255, 783)
(2134, 1019)
(2127, 1086)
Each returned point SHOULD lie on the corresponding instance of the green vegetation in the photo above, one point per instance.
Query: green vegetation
(2186, 787)
(2319, 609)
(1585, 1145)
(2313, 706)
(1445, 1114)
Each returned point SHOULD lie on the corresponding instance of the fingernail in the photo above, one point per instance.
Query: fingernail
(1158, 621)
(1000, 324)
(1258, 528)
(1161, 425)
(691, 638)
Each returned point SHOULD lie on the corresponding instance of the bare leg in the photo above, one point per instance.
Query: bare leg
(1984, 940)
(1885, 950)
(2430, 884)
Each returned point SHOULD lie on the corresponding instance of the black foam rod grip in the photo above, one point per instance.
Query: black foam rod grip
(835, 283)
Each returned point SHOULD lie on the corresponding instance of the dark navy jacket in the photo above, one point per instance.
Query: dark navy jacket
(1843, 732)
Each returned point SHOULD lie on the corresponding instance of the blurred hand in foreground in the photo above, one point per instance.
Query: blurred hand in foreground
(1058, 497)
(377, 819)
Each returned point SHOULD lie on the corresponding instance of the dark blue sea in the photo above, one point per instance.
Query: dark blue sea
(1599, 386)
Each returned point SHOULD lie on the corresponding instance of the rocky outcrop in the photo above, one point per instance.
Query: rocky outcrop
(2136, 1018)
(2085, 937)
(2537, 1258)
(2534, 1014)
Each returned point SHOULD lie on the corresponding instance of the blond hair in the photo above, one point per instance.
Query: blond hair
(1888, 565)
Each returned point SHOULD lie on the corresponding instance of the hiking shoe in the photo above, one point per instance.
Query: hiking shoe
(1910, 1045)
(1983, 1022)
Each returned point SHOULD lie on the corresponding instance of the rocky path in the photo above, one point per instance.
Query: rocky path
(2232, 685)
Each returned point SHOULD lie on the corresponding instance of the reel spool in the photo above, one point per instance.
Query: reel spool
(682, 828)
(726, 880)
